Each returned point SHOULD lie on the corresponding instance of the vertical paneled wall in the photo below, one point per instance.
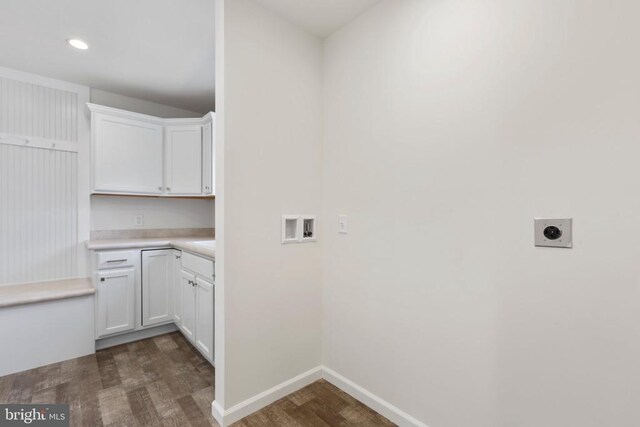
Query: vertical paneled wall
(38, 214)
(38, 111)
(38, 186)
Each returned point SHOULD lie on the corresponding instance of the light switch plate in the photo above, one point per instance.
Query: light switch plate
(553, 232)
(342, 224)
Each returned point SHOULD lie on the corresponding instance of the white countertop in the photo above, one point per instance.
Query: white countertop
(30, 293)
(189, 244)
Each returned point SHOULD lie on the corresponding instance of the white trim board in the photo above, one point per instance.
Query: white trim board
(374, 402)
(146, 118)
(38, 79)
(142, 334)
(43, 143)
(253, 404)
(259, 401)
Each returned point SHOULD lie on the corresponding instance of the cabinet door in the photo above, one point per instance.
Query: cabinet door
(204, 317)
(177, 287)
(207, 158)
(157, 286)
(128, 155)
(115, 299)
(183, 165)
(188, 325)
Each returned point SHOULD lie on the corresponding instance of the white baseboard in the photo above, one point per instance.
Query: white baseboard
(259, 401)
(374, 402)
(218, 413)
(255, 403)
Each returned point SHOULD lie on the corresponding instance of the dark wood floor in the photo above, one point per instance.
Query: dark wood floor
(164, 381)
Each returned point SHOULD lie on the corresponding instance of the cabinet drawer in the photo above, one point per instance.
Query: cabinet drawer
(201, 266)
(115, 259)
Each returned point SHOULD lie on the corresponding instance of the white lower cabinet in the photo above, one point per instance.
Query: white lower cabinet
(115, 296)
(188, 325)
(157, 286)
(197, 302)
(141, 288)
(204, 317)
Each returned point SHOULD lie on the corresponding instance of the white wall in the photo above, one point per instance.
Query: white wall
(115, 100)
(118, 213)
(449, 126)
(270, 113)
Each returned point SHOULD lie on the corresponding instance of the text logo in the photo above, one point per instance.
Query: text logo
(34, 415)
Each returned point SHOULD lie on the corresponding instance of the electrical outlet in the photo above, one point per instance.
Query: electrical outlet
(342, 224)
(138, 220)
(553, 232)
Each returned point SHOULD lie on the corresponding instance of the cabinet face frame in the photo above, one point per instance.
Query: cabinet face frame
(177, 287)
(208, 158)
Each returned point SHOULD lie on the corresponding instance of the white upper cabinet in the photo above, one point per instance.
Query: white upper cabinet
(183, 159)
(127, 155)
(138, 154)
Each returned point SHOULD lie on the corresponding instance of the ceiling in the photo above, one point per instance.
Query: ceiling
(319, 17)
(157, 50)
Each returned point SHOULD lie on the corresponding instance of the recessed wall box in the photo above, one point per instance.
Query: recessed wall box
(290, 228)
(308, 228)
(553, 232)
(299, 228)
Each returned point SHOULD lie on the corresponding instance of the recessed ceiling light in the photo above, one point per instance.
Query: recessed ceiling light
(78, 44)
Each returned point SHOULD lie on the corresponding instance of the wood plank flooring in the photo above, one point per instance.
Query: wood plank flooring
(319, 404)
(161, 381)
(164, 381)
